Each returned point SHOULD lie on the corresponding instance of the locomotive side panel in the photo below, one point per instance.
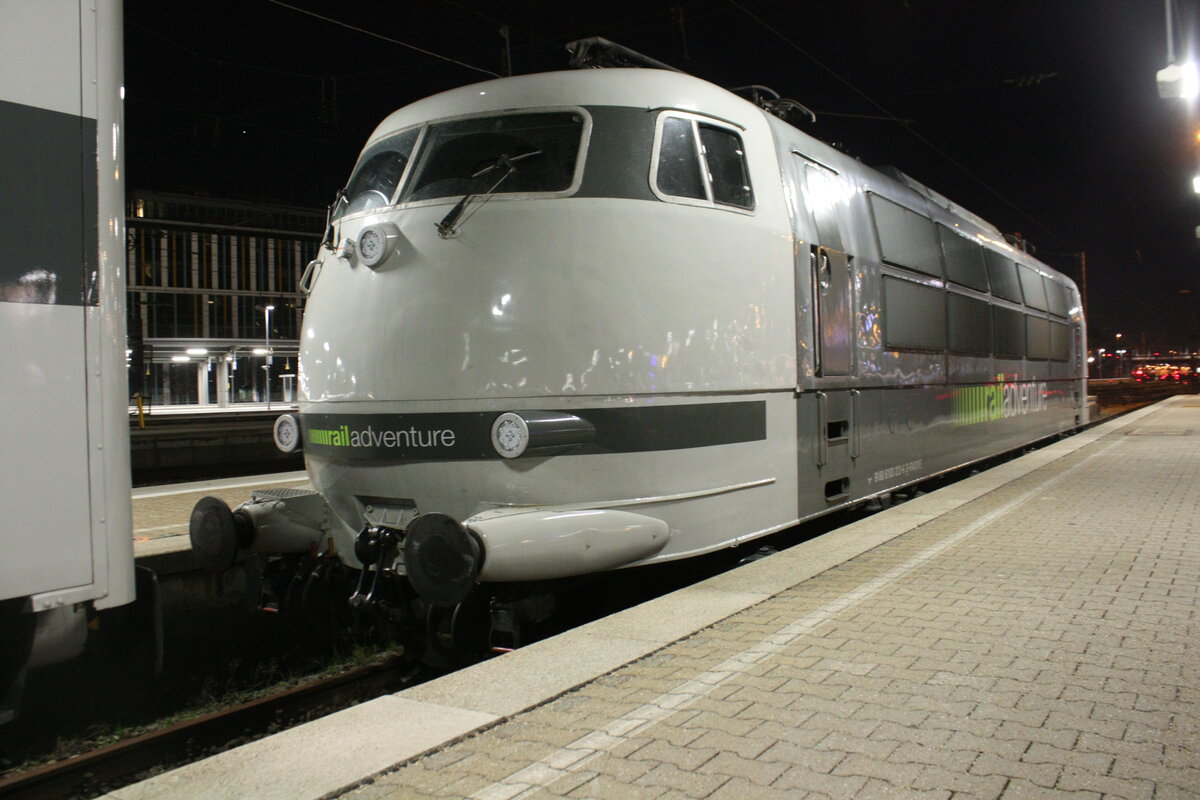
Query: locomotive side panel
(65, 476)
(63, 303)
(963, 347)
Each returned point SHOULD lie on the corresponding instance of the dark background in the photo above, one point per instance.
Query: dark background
(1042, 116)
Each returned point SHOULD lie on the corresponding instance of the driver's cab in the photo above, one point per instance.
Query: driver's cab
(446, 160)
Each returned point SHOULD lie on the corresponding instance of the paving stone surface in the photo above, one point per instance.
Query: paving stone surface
(161, 513)
(1040, 641)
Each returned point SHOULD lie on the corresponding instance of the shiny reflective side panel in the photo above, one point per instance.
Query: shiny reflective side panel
(709, 496)
(108, 382)
(65, 472)
(44, 438)
(535, 545)
(556, 297)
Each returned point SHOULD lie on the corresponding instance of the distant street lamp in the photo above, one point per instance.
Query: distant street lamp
(267, 367)
(1177, 79)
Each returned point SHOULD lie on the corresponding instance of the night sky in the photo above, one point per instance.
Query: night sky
(1042, 116)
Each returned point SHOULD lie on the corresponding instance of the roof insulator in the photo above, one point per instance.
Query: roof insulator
(596, 53)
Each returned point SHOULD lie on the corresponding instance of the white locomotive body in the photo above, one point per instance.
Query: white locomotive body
(65, 523)
(571, 322)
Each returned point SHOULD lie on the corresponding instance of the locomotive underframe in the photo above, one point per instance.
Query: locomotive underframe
(827, 450)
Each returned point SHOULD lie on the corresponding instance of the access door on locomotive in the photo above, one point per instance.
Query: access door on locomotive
(825, 292)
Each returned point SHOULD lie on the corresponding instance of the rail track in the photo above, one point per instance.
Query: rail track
(1123, 394)
(108, 768)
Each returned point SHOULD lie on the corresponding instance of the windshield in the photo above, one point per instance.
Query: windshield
(455, 157)
(377, 175)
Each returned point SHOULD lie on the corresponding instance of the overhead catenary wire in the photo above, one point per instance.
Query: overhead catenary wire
(902, 123)
(377, 35)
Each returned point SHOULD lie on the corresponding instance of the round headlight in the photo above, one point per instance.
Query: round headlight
(372, 246)
(287, 433)
(375, 243)
(510, 435)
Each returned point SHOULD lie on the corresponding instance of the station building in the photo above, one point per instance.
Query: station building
(214, 302)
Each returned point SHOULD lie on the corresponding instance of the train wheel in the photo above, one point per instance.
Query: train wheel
(459, 633)
(16, 627)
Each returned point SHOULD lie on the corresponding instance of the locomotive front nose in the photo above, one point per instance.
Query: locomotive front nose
(442, 559)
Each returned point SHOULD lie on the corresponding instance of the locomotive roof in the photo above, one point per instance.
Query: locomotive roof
(637, 87)
(660, 88)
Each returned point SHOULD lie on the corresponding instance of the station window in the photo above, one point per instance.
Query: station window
(914, 316)
(906, 238)
(702, 162)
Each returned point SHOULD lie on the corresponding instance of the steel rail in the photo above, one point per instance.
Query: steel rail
(110, 767)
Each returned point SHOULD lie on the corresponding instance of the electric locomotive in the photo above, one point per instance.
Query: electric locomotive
(573, 322)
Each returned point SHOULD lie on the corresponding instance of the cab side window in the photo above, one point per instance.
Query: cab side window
(679, 160)
(703, 163)
(726, 162)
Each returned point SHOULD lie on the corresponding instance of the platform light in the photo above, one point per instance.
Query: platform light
(1179, 80)
(180, 359)
(259, 351)
(197, 351)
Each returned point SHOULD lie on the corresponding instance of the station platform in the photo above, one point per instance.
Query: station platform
(160, 513)
(1030, 631)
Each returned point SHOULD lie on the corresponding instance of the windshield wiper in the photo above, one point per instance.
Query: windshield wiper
(330, 213)
(449, 224)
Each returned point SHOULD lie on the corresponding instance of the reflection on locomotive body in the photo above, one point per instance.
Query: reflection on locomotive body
(34, 286)
(574, 322)
(67, 570)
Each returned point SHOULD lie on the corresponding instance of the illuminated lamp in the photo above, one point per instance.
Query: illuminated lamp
(287, 433)
(1179, 80)
(375, 243)
(530, 433)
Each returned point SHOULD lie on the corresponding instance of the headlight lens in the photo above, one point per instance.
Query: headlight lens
(375, 243)
(287, 433)
(510, 435)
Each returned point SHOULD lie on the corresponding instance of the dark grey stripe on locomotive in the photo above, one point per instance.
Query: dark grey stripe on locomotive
(466, 436)
(618, 157)
(48, 202)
